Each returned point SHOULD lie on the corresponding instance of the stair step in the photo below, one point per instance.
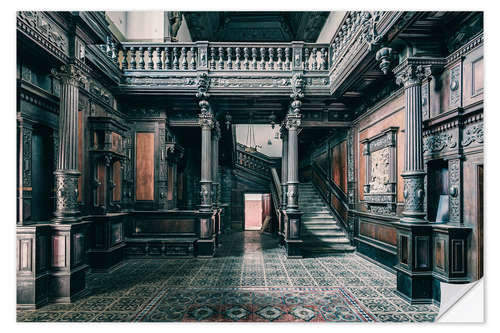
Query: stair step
(323, 232)
(325, 226)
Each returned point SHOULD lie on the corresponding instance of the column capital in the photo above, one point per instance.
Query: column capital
(69, 74)
(292, 121)
(206, 118)
(413, 70)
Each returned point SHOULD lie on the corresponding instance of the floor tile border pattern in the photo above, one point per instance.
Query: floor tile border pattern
(358, 308)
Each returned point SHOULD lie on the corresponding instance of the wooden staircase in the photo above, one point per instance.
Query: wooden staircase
(320, 230)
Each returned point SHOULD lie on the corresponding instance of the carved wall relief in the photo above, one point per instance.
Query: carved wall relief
(380, 187)
(380, 171)
(455, 87)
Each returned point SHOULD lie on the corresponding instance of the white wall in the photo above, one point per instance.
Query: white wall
(262, 134)
(145, 26)
(332, 23)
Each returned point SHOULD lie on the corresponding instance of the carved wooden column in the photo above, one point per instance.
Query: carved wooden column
(206, 243)
(68, 241)
(67, 173)
(411, 77)
(292, 122)
(284, 179)
(414, 233)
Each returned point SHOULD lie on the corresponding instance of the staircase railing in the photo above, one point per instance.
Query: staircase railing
(332, 194)
(254, 161)
(275, 186)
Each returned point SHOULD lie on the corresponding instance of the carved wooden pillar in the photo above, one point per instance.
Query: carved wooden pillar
(414, 233)
(293, 214)
(411, 77)
(206, 243)
(67, 172)
(68, 263)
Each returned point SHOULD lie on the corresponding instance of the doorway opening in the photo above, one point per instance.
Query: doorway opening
(257, 209)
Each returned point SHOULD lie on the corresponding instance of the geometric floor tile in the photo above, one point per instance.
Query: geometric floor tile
(249, 279)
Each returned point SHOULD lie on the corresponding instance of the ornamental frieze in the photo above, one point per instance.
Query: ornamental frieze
(246, 82)
(472, 133)
(439, 142)
(158, 81)
(46, 27)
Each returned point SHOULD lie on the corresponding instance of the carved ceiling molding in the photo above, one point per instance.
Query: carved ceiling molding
(461, 52)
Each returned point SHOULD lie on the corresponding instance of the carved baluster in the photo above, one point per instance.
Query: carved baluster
(344, 33)
(341, 39)
(306, 58)
(280, 63)
(176, 58)
(193, 57)
(184, 58)
(229, 56)
(246, 64)
(114, 53)
(220, 64)
(238, 63)
(271, 58)
(212, 58)
(132, 58)
(254, 58)
(287, 58)
(314, 59)
(324, 59)
(167, 64)
(149, 50)
(124, 58)
(141, 57)
(262, 58)
(158, 58)
(108, 47)
(348, 23)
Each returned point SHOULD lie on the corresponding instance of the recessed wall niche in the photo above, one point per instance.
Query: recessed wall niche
(380, 180)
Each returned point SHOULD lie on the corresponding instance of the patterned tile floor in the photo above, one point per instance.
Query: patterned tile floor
(249, 279)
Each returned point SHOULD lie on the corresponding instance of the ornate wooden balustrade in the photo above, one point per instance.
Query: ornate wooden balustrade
(219, 56)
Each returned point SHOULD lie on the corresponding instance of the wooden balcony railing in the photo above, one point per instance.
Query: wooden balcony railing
(168, 56)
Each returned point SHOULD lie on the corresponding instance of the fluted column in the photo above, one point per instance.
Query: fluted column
(206, 121)
(292, 125)
(410, 76)
(67, 173)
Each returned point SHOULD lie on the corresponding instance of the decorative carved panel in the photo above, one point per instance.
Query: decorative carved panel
(455, 86)
(380, 186)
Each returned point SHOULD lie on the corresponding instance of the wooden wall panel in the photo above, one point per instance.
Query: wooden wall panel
(117, 179)
(145, 167)
(390, 114)
(101, 176)
(116, 141)
(382, 233)
(80, 154)
(339, 165)
(170, 177)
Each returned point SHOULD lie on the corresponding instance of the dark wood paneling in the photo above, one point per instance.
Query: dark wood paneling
(145, 167)
(163, 226)
(382, 233)
(101, 176)
(117, 190)
(170, 177)
(80, 155)
(116, 141)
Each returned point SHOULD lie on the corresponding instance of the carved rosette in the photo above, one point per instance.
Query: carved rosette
(414, 194)
(66, 194)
